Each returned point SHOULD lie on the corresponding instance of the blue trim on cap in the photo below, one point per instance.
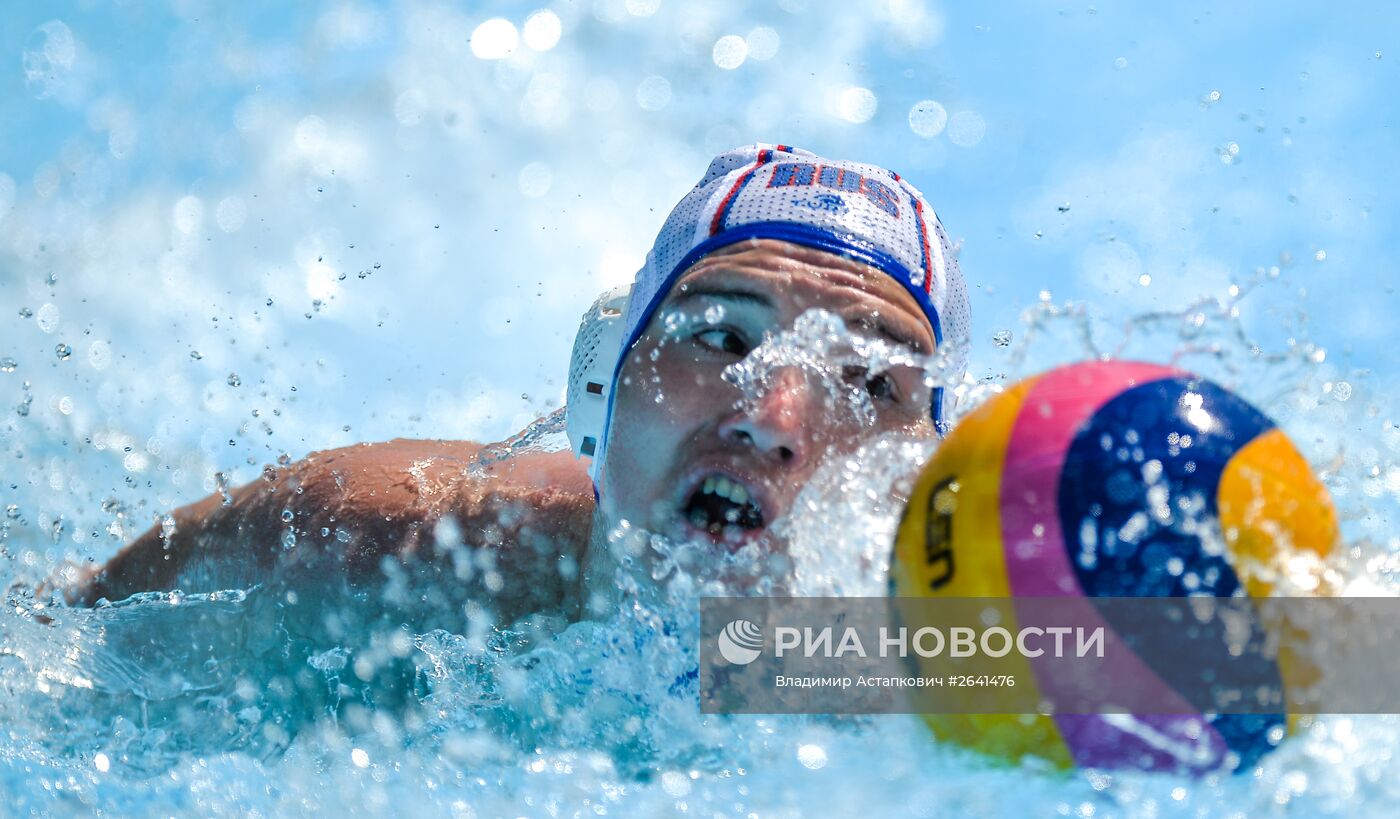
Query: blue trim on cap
(801, 234)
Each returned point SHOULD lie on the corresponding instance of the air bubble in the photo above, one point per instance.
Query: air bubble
(63, 351)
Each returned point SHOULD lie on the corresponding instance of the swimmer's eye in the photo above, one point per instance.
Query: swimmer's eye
(720, 340)
(879, 386)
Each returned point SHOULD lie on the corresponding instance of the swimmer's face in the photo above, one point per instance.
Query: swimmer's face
(689, 456)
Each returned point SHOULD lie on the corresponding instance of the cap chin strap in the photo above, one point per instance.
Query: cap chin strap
(597, 348)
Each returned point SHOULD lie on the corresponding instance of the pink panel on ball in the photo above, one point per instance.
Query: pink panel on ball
(1057, 406)
(1038, 564)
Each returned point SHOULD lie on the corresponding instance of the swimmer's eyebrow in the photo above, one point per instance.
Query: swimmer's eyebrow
(753, 298)
(890, 332)
(727, 293)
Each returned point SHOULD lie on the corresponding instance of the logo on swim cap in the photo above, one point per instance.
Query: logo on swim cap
(740, 642)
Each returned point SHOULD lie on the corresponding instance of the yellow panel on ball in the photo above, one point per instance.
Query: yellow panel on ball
(949, 545)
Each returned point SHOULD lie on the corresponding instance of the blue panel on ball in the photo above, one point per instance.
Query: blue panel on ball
(1128, 472)
(1137, 503)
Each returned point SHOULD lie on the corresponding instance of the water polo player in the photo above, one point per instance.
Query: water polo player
(768, 234)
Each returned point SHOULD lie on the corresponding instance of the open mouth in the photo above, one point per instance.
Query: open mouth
(722, 507)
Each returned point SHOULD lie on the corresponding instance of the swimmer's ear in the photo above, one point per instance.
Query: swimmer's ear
(592, 369)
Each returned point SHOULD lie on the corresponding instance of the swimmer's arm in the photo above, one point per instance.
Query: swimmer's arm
(372, 501)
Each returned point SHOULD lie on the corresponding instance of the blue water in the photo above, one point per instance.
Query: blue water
(230, 233)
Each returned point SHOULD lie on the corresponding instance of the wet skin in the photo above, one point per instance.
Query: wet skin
(380, 504)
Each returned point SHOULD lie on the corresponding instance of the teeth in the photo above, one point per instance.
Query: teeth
(725, 488)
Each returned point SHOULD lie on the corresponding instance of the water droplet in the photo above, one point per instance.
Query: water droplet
(289, 540)
(812, 756)
(535, 180)
(167, 528)
(763, 43)
(928, 118)
(856, 104)
(234, 380)
(1063, 208)
(63, 351)
(542, 30)
(1002, 338)
(12, 511)
(654, 93)
(25, 312)
(287, 515)
(966, 129)
(8, 365)
(494, 39)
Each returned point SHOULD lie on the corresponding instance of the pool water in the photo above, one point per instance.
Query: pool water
(208, 702)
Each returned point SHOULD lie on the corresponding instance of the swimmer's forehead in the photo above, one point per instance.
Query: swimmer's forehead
(785, 278)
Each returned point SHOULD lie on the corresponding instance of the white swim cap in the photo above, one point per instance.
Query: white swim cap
(763, 191)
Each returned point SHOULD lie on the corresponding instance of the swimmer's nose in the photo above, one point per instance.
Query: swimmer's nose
(779, 422)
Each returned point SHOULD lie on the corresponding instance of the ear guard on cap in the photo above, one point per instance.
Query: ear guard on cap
(596, 350)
